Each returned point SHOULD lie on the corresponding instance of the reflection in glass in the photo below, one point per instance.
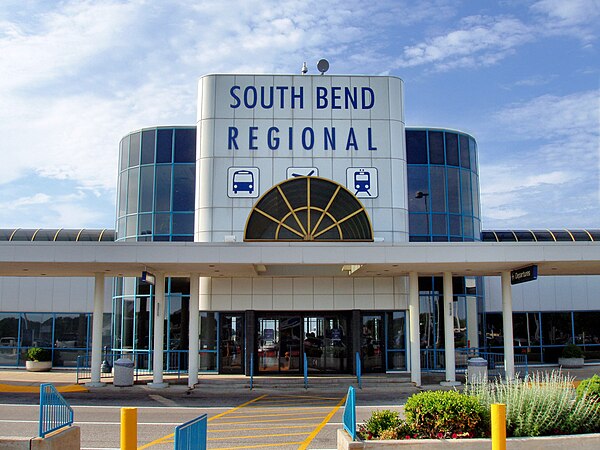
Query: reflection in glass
(451, 149)
(436, 147)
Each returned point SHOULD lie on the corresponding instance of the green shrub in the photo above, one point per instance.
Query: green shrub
(539, 405)
(446, 414)
(572, 351)
(39, 354)
(590, 387)
(379, 422)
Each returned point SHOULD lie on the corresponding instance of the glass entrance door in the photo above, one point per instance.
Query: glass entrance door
(279, 344)
(231, 347)
(372, 343)
(326, 344)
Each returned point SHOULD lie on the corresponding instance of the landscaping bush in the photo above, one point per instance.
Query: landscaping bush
(572, 351)
(38, 354)
(446, 414)
(540, 405)
(379, 422)
(590, 387)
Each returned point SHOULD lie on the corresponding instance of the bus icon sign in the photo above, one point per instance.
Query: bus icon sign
(242, 182)
(362, 181)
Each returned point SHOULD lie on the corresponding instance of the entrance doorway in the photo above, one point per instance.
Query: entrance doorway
(326, 343)
(372, 343)
(231, 347)
(279, 344)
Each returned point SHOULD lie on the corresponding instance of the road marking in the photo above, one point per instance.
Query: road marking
(260, 436)
(316, 431)
(279, 444)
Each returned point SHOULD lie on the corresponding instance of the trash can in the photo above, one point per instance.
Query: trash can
(477, 370)
(123, 372)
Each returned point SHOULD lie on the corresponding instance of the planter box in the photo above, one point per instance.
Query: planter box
(578, 441)
(38, 366)
(570, 362)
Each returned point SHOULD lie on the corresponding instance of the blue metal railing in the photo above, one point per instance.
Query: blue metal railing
(251, 371)
(55, 412)
(192, 434)
(305, 372)
(350, 413)
(358, 371)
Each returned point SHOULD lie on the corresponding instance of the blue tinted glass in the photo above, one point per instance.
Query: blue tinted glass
(183, 187)
(132, 190)
(161, 238)
(468, 226)
(473, 153)
(416, 147)
(162, 224)
(185, 145)
(122, 193)
(146, 188)
(475, 189)
(436, 147)
(124, 148)
(438, 189)
(476, 229)
(451, 149)
(121, 228)
(417, 182)
(144, 224)
(418, 224)
(163, 188)
(465, 160)
(164, 146)
(439, 225)
(134, 150)
(148, 138)
(453, 190)
(183, 223)
(455, 225)
(131, 225)
(467, 196)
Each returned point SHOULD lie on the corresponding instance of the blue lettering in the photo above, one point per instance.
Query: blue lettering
(235, 97)
(250, 104)
(364, 92)
(252, 137)
(311, 142)
(232, 141)
(321, 97)
(281, 90)
(370, 139)
(298, 96)
(351, 99)
(335, 97)
(351, 142)
(290, 138)
(329, 138)
(272, 138)
(262, 97)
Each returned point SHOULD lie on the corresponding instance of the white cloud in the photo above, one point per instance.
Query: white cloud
(578, 18)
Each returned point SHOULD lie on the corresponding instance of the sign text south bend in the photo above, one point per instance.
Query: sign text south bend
(282, 98)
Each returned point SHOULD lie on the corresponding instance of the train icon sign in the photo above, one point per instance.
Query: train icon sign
(242, 182)
(362, 181)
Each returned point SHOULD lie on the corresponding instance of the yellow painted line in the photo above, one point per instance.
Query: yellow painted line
(312, 435)
(255, 428)
(279, 444)
(278, 408)
(259, 436)
(268, 421)
(296, 414)
(294, 397)
(36, 389)
(168, 436)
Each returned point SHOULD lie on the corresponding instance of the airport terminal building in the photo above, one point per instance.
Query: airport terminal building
(308, 171)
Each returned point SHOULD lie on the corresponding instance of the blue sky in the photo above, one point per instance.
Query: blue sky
(523, 77)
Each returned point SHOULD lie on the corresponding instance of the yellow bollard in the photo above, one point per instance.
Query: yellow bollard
(128, 428)
(498, 426)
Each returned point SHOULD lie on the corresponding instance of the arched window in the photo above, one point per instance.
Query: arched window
(308, 209)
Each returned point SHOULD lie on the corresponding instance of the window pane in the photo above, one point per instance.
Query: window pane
(587, 330)
(438, 189)
(436, 147)
(164, 146)
(184, 177)
(465, 160)
(148, 139)
(494, 334)
(123, 193)
(453, 190)
(124, 148)
(473, 153)
(416, 147)
(144, 224)
(452, 149)
(162, 224)
(468, 226)
(163, 188)
(134, 150)
(439, 224)
(70, 331)
(36, 330)
(147, 188)
(556, 328)
(466, 195)
(455, 225)
(475, 194)
(183, 223)
(418, 224)
(132, 190)
(417, 182)
(131, 226)
(208, 331)
(185, 145)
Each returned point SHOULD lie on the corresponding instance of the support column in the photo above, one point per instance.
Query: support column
(159, 332)
(413, 315)
(193, 327)
(97, 330)
(507, 322)
(449, 351)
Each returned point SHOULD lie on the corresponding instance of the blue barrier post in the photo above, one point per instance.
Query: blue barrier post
(358, 371)
(192, 435)
(350, 413)
(305, 372)
(55, 412)
(251, 370)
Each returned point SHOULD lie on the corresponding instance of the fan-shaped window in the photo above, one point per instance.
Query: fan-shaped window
(308, 209)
